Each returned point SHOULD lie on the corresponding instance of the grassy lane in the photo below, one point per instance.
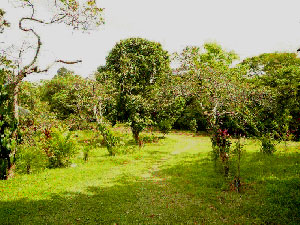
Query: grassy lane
(171, 182)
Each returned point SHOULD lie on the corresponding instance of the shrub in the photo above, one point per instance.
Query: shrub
(85, 151)
(58, 146)
(221, 148)
(111, 141)
(193, 125)
(30, 159)
(165, 126)
(75, 122)
(267, 144)
(149, 138)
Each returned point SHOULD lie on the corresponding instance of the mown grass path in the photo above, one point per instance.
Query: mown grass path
(170, 182)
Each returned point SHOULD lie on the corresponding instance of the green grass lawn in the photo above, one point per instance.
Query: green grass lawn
(170, 182)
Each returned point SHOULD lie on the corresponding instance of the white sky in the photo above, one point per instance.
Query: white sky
(249, 27)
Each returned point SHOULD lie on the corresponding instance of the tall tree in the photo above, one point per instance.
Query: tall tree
(205, 79)
(70, 95)
(7, 122)
(220, 95)
(135, 66)
(280, 73)
(83, 15)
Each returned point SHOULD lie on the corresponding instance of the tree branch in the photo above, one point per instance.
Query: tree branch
(78, 17)
(68, 62)
(32, 7)
(56, 61)
(23, 72)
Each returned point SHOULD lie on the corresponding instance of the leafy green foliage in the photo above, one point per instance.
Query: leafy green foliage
(30, 96)
(85, 151)
(8, 124)
(167, 110)
(134, 68)
(59, 147)
(278, 72)
(268, 63)
(112, 142)
(149, 138)
(70, 95)
(267, 144)
(217, 95)
(136, 64)
(215, 56)
(30, 159)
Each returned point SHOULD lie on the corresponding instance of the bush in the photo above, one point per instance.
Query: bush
(75, 122)
(111, 141)
(58, 146)
(85, 151)
(221, 148)
(146, 138)
(30, 159)
(267, 144)
(193, 125)
(165, 126)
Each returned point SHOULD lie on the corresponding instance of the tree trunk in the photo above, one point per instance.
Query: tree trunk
(15, 108)
(225, 161)
(15, 102)
(4, 165)
(136, 136)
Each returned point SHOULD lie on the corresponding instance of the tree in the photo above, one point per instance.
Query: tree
(221, 95)
(280, 73)
(70, 12)
(268, 63)
(62, 72)
(135, 67)
(74, 13)
(70, 95)
(3, 22)
(203, 75)
(7, 123)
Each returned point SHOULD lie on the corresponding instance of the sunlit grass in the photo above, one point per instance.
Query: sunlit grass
(169, 182)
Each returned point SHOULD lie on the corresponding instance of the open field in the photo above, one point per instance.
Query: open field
(169, 182)
(113, 114)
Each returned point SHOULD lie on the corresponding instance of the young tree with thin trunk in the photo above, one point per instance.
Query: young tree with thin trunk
(230, 104)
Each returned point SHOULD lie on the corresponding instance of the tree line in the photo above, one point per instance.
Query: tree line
(258, 97)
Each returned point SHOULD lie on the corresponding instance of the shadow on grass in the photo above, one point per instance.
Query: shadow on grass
(187, 192)
(277, 180)
(129, 203)
(270, 192)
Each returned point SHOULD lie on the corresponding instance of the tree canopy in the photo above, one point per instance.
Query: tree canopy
(280, 73)
(134, 66)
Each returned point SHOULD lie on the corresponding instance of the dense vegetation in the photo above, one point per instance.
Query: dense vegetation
(243, 168)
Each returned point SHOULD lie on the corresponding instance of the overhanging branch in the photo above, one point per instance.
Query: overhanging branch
(38, 70)
(68, 62)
